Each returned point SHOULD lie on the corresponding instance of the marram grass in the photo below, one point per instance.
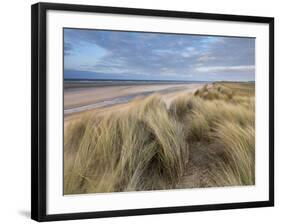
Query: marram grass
(207, 137)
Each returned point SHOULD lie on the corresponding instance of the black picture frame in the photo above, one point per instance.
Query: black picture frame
(38, 108)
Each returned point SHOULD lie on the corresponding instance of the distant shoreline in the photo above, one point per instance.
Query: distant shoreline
(86, 83)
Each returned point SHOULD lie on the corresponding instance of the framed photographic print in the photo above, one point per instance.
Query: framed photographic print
(139, 111)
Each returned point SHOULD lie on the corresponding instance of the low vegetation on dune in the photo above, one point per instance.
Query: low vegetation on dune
(205, 139)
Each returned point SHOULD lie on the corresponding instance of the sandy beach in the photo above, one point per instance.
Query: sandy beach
(79, 100)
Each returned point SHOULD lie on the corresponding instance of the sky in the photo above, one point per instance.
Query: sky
(98, 54)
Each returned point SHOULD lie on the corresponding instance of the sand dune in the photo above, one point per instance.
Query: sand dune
(172, 140)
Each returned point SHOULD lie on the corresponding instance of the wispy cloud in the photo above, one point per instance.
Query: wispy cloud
(67, 48)
(239, 68)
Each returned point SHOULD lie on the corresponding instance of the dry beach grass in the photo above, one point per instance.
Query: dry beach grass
(205, 139)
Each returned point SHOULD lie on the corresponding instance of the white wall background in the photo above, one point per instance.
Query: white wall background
(15, 110)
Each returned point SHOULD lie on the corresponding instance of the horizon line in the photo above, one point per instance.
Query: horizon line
(159, 80)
